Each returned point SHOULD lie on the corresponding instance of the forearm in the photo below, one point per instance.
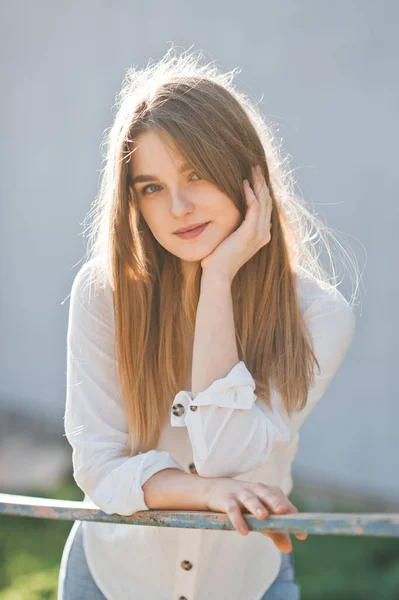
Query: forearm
(215, 347)
(173, 489)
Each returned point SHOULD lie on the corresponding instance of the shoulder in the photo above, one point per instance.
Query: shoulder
(90, 292)
(324, 307)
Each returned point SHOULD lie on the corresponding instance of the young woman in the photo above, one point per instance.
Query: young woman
(193, 358)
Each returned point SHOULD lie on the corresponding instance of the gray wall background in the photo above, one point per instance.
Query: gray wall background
(325, 72)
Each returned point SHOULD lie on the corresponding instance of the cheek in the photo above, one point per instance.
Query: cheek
(150, 217)
(232, 216)
(157, 229)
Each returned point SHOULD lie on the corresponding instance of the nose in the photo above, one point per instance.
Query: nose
(180, 204)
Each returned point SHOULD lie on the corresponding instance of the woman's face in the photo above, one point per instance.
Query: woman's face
(171, 196)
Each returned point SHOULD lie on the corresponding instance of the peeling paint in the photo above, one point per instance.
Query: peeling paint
(359, 524)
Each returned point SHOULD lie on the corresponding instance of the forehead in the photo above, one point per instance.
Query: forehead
(155, 151)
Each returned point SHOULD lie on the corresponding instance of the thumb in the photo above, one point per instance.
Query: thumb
(281, 540)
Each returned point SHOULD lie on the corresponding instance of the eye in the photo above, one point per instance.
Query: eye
(145, 188)
(144, 191)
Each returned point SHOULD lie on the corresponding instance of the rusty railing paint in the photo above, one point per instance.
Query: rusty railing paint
(358, 524)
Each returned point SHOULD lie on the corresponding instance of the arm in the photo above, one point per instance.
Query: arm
(231, 430)
(215, 347)
(173, 489)
(94, 421)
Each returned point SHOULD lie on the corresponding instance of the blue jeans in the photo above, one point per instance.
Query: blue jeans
(76, 583)
(284, 587)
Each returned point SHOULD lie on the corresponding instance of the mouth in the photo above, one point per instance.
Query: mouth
(192, 233)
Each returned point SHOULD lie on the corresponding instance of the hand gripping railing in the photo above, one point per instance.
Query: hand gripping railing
(358, 524)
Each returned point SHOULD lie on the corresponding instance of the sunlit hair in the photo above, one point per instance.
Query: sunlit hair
(222, 134)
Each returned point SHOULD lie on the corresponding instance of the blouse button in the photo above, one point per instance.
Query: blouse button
(185, 564)
(193, 407)
(178, 410)
(192, 468)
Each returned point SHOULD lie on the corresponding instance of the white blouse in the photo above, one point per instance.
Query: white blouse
(230, 434)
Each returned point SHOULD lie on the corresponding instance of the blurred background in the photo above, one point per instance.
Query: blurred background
(323, 74)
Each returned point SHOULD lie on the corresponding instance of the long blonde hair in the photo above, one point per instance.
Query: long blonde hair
(222, 134)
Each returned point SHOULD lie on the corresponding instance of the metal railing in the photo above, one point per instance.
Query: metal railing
(355, 524)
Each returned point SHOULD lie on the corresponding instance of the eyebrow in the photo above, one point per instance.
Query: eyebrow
(142, 178)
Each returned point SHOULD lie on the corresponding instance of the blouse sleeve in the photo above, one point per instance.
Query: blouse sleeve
(231, 430)
(95, 422)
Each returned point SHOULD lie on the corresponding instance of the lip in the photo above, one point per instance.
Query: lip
(192, 233)
(195, 226)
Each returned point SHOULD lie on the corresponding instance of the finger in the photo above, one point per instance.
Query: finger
(281, 540)
(262, 193)
(294, 510)
(259, 193)
(275, 496)
(252, 216)
(299, 536)
(233, 511)
(285, 503)
(250, 501)
(276, 500)
(249, 194)
(260, 187)
(291, 509)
